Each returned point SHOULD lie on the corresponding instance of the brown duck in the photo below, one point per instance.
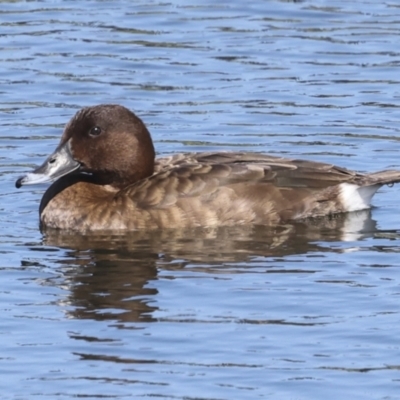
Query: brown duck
(107, 178)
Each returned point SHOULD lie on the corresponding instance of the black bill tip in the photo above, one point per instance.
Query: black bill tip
(18, 182)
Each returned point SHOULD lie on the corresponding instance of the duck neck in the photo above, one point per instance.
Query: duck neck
(121, 179)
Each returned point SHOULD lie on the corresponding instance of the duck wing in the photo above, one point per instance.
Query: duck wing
(239, 188)
(229, 168)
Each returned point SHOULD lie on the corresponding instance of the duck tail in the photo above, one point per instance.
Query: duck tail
(381, 178)
(357, 195)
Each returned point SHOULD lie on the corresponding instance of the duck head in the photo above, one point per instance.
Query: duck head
(109, 142)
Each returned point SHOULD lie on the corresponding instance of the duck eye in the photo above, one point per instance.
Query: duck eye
(95, 131)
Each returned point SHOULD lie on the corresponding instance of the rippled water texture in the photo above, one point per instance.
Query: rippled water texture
(306, 311)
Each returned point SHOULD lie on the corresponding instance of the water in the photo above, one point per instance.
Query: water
(305, 311)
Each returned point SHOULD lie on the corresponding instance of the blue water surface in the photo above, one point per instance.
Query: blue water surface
(297, 312)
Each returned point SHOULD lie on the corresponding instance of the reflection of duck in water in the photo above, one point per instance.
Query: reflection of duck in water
(111, 276)
(108, 179)
(211, 246)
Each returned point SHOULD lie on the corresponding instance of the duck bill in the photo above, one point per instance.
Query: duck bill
(59, 164)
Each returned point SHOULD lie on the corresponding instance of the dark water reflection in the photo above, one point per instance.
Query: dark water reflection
(108, 274)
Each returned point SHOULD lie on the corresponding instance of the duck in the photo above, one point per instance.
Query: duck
(105, 176)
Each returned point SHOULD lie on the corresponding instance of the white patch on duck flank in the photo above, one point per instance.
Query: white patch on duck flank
(355, 198)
